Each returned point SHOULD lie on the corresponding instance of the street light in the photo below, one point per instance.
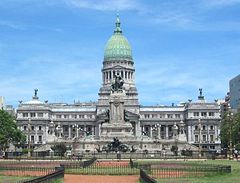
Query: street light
(29, 129)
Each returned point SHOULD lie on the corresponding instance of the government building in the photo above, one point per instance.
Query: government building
(118, 114)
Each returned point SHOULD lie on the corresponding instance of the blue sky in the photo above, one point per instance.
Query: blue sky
(178, 46)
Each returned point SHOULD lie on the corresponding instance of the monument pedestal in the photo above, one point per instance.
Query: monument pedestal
(117, 127)
(117, 130)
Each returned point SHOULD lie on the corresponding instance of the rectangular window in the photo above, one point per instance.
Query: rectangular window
(211, 127)
(40, 128)
(196, 138)
(32, 139)
(203, 114)
(169, 115)
(204, 138)
(25, 115)
(66, 128)
(40, 138)
(196, 114)
(24, 127)
(211, 113)
(196, 127)
(177, 115)
(146, 115)
(32, 127)
(154, 115)
(161, 116)
(32, 114)
(162, 128)
(212, 147)
(40, 115)
(146, 128)
(211, 138)
(204, 127)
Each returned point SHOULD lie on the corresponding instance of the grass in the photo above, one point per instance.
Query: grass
(13, 179)
(233, 177)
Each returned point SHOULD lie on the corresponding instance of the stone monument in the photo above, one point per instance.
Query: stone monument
(117, 126)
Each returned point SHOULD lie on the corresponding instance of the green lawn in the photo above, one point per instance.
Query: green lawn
(12, 179)
(234, 177)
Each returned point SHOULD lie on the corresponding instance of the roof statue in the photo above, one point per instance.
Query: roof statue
(35, 97)
(35, 92)
(200, 91)
(200, 97)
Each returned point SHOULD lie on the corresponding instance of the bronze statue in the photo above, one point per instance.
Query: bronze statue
(200, 91)
(35, 92)
(117, 85)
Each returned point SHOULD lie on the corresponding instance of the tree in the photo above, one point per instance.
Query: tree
(9, 133)
(230, 125)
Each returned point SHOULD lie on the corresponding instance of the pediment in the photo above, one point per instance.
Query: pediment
(118, 67)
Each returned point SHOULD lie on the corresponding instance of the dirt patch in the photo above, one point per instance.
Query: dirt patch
(112, 163)
(24, 173)
(68, 178)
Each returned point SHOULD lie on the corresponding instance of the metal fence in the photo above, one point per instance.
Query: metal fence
(114, 155)
(25, 171)
(160, 170)
(51, 177)
(146, 178)
(103, 168)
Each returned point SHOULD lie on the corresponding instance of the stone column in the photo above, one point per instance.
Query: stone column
(192, 134)
(36, 134)
(103, 77)
(151, 131)
(166, 131)
(85, 129)
(159, 131)
(77, 131)
(138, 129)
(189, 134)
(216, 133)
(92, 130)
(69, 131)
(207, 133)
(99, 129)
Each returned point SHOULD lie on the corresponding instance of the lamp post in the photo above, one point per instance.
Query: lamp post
(29, 130)
(230, 119)
(199, 145)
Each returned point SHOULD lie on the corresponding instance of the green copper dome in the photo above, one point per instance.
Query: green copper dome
(117, 47)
